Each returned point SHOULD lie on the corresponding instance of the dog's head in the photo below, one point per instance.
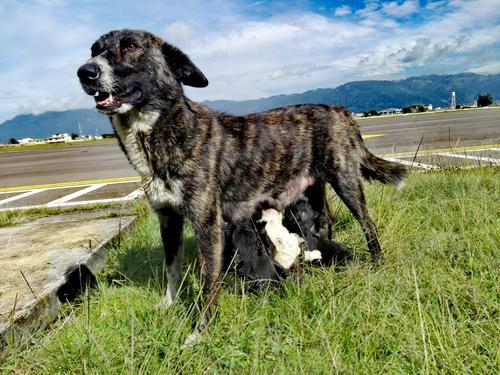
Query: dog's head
(132, 68)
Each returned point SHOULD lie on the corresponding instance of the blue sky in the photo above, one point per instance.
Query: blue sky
(247, 49)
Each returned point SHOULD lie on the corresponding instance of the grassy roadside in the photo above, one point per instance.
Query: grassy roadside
(54, 145)
(432, 307)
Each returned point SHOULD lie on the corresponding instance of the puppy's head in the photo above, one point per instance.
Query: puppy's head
(132, 68)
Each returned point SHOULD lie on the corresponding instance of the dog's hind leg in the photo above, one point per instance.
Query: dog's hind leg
(347, 184)
(171, 226)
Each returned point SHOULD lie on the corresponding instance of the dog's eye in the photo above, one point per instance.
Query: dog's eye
(128, 48)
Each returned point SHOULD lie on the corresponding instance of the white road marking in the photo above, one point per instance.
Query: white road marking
(135, 194)
(483, 149)
(21, 196)
(470, 157)
(68, 186)
(412, 164)
(74, 195)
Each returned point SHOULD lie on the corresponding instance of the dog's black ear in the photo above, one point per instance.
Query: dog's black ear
(183, 67)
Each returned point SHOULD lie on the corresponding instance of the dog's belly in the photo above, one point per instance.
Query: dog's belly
(277, 198)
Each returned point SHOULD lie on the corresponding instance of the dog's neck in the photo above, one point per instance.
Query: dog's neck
(132, 130)
(161, 131)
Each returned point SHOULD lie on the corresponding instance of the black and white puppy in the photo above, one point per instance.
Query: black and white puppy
(248, 248)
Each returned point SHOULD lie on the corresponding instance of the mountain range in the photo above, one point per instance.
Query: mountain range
(362, 96)
(358, 96)
(48, 123)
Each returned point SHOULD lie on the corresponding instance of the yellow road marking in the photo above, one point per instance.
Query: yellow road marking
(456, 149)
(137, 178)
(78, 183)
(368, 136)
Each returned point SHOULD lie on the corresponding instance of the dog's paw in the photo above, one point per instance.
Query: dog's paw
(192, 340)
(165, 302)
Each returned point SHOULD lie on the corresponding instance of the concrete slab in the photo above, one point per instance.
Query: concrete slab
(39, 259)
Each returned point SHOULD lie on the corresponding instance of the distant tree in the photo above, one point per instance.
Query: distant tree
(371, 112)
(484, 100)
(13, 141)
(74, 136)
(414, 108)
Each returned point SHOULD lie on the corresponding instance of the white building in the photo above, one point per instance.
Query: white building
(58, 138)
(26, 141)
(390, 111)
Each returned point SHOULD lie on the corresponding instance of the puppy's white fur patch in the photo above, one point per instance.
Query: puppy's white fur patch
(309, 256)
(286, 245)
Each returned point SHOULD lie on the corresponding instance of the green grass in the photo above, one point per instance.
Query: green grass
(52, 145)
(14, 217)
(431, 307)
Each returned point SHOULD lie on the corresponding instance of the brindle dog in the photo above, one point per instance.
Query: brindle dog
(208, 166)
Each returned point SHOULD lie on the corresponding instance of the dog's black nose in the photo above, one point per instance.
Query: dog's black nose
(88, 73)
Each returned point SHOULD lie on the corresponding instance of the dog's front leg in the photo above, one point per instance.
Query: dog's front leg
(207, 222)
(171, 225)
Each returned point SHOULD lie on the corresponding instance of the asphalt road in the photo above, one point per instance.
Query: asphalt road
(106, 160)
(63, 164)
(439, 130)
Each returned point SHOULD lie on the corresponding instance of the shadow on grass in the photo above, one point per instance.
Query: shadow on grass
(143, 265)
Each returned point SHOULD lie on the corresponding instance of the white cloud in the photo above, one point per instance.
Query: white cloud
(489, 68)
(179, 33)
(243, 55)
(403, 9)
(435, 4)
(343, 10)
(371, 15)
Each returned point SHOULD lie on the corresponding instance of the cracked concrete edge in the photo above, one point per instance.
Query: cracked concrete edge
(46, 308)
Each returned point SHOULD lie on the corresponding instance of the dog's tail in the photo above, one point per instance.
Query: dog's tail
(387, 172)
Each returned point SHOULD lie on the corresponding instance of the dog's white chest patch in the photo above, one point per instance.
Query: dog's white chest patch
(132, 135)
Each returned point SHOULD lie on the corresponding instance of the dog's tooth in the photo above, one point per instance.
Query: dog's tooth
(96, 93)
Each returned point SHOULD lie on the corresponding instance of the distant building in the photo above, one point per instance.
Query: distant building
(428, 107)
(26, 141)
(390, 111)
(59, 138)
(453, 100)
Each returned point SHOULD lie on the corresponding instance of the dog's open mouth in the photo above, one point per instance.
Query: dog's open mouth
(109, 102)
